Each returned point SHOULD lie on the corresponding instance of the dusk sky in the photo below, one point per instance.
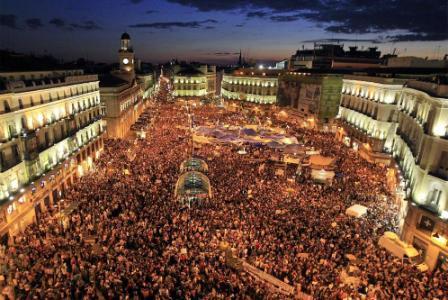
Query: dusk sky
(215, 30)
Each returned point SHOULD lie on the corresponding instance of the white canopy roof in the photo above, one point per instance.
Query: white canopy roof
(356, 211)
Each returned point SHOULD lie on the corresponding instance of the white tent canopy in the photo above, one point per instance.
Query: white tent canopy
(322, 175)
(356, 211)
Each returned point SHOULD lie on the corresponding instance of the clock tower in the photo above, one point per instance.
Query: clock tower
(126, 55)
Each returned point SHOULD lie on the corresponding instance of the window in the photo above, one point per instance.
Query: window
(47, 137)
(12, 130)
(24, 123)
(443, 163)
(6, 105)
(434, 197)
(15, 152)
(21, 104)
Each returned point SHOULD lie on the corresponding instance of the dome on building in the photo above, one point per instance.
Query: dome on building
(194, 164)
(125, 36)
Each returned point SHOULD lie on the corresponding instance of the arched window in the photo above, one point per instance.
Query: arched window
(21, 104)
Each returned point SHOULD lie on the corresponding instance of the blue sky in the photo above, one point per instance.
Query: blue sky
(214, 31)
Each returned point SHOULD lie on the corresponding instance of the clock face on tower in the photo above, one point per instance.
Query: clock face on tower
(125, 61)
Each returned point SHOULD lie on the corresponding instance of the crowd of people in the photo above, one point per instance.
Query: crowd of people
(128, 237)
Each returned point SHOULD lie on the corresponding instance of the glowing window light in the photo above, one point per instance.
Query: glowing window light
(444, 214)
(80, 171)
(439, 130)
(40, 119)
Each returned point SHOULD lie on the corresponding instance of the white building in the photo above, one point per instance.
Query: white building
(408, 119)
(194, 81)
(50, 133)
(257, 86)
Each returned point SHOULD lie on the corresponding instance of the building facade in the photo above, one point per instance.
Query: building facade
(409, 120)
(194, 81)
(368, 114)
(122, 93)
(314, 97)
(147, 84)
(334, 56)
(257, 86)
(421, 150)
(50, 131)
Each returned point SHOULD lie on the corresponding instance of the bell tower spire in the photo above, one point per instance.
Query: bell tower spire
(126, 55)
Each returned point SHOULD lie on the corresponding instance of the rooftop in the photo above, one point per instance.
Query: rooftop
(108, 80)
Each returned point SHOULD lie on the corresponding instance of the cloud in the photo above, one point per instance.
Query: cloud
(226, 5)
(287, 18)
(34, 23)
(209, 27)
(240, 25)
(256, 14)
(419, 20)
(135, 1)
(8, 21)
(224, 53)
(57, 22)
(170, 25)
(86, 25)
(342, 40)
(151, 11)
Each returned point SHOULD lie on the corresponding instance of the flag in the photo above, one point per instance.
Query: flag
(426, 224)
